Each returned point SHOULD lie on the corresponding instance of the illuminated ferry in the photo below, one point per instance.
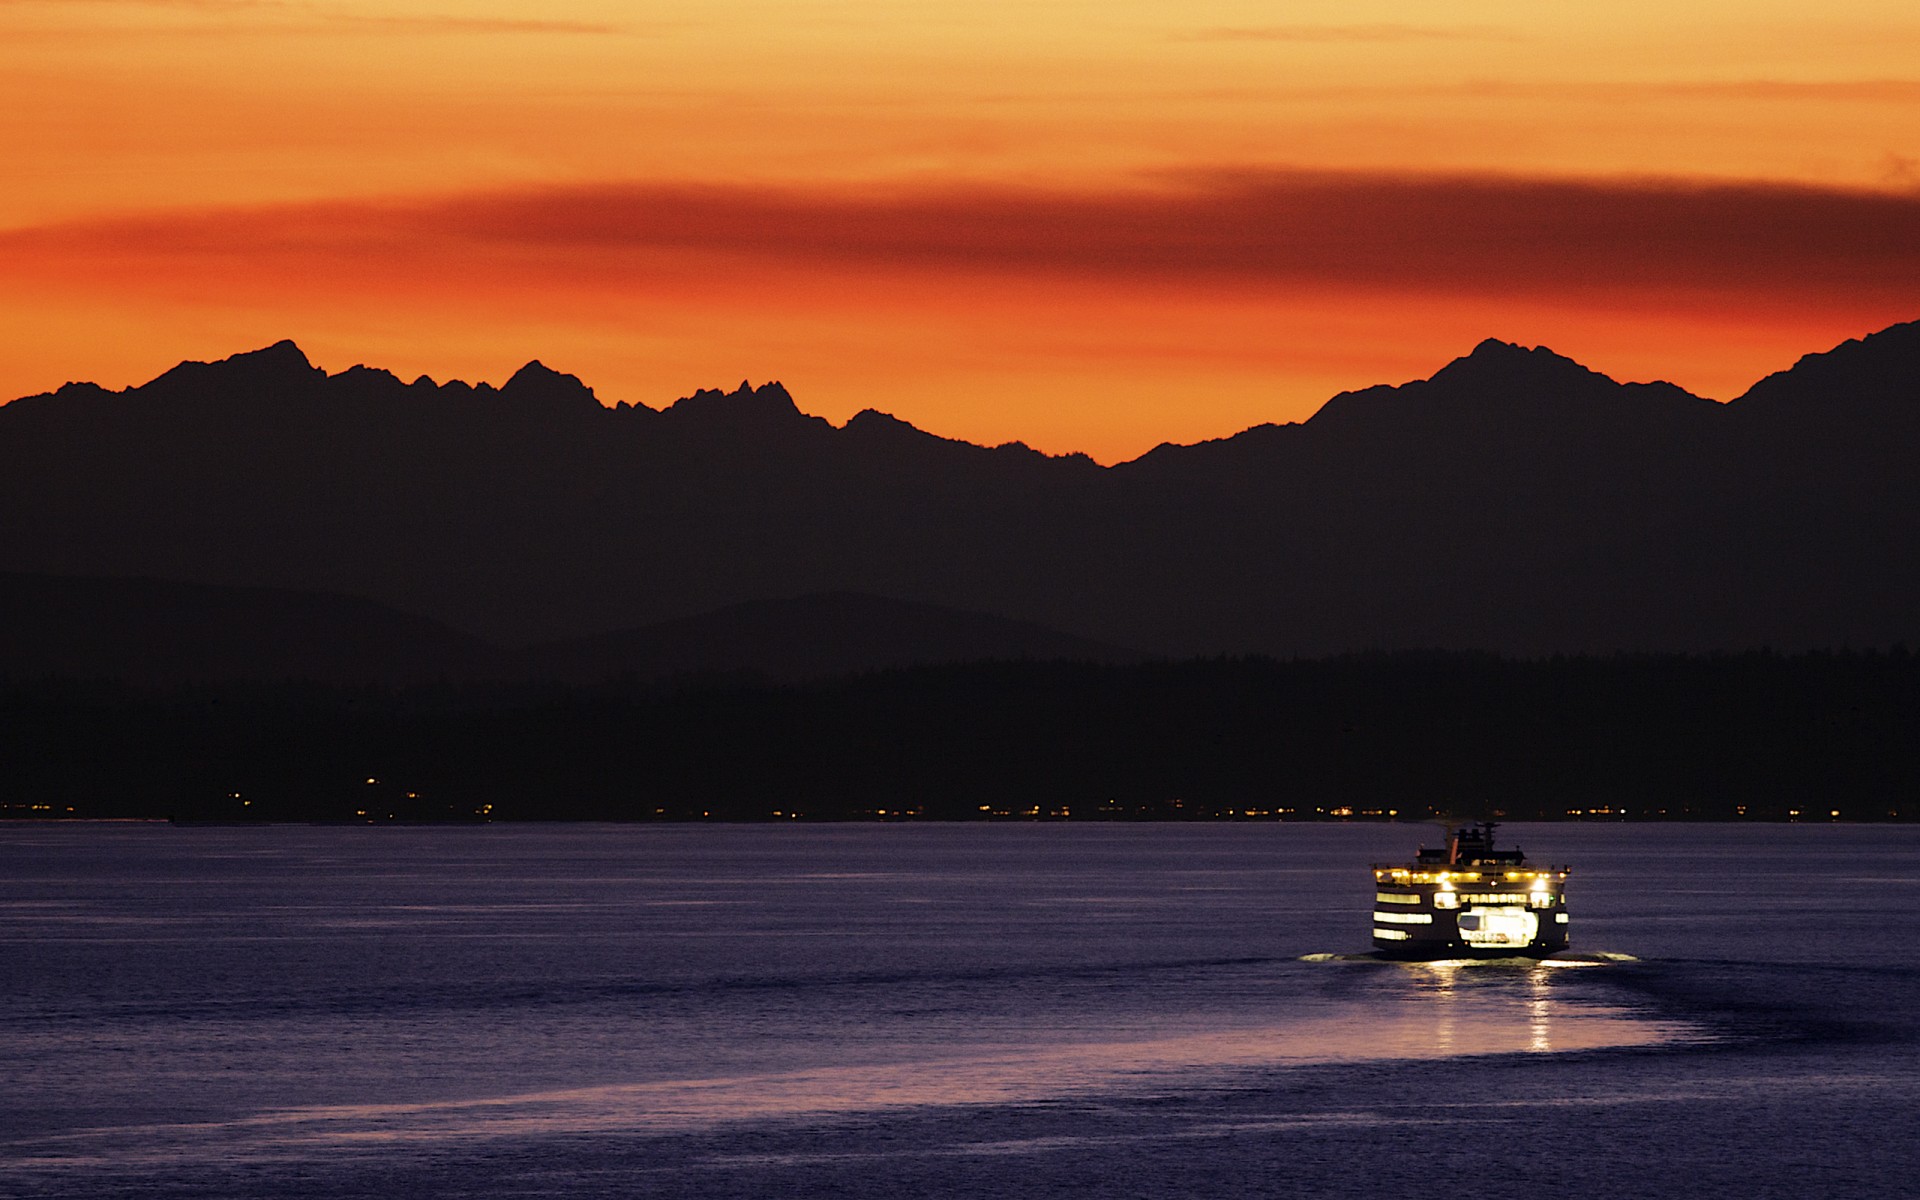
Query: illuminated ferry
(1469, 900)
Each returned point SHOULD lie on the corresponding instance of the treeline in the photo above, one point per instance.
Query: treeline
(1756, 736)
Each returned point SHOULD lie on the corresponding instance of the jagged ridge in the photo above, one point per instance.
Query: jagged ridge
(1514, 501)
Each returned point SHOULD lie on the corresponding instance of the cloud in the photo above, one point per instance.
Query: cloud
(1877, 91)
(1837, 91)
(1895, 92)
(296, 16)
(179, 5)
(1565, 239)
(455, 24)
(1379, 32)
(1254, 227)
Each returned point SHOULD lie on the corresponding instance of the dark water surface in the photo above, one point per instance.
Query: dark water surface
(966, 1011)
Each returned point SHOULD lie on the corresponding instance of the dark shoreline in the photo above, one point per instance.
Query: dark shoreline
(1754, 736)
(512, 822)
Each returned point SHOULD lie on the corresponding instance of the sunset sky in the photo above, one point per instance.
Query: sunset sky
(1087, 226)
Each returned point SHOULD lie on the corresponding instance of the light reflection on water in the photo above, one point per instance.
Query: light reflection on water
(1413, 1011)
(270, 994)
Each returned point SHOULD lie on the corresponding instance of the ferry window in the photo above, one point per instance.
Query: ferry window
(1394, 898)
(1446, 900)
(1392, 935)
(1404, 918)
(1499, 927)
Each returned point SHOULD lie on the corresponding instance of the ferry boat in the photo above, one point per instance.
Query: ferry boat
(1469, 900)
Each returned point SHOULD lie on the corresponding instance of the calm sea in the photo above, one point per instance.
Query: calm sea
(953, 1011)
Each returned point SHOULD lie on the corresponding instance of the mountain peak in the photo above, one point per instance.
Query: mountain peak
(1878, 370)
(281, 365)
(874, 417)
(871, 423)
(746, 404)
(540, 384)
(1507, 366)
(283, 355)
(1501, 386)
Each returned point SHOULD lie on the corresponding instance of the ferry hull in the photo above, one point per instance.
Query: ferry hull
(1436, 950)
(1469, 901)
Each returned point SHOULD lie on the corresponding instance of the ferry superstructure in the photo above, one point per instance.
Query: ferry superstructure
(1469, 900)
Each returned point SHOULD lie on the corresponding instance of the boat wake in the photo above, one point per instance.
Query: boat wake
(1561, 958)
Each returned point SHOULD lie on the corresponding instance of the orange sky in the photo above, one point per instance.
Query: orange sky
(1089, 226)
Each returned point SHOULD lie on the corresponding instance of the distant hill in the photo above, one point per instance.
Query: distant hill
(1514, 502)
(812, 637)
(153, 632)
(158, 633)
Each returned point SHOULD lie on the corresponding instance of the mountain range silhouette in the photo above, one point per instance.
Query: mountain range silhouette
(1514, 502)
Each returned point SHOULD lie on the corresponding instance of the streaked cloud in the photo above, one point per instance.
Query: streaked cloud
(220, 6)
(1240, 229)
(437, 23)
(1901, 91)
(1822, 91)
(1548, 239)
(1876, 91)
(1376, 32)
(284, 16)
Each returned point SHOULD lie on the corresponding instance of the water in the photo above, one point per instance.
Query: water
(965, 1011)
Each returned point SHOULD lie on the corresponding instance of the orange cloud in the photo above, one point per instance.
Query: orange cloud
(1376, 32)
(285, 17)
(1552, 239)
